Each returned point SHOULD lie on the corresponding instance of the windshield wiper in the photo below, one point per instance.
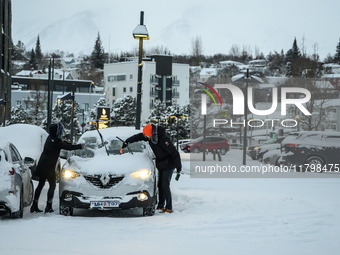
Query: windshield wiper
(101, 137)
(130, 151)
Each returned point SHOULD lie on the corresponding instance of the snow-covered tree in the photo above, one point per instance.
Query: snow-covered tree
(35, 103)
(18, 115)
(123, 112)
(166, 117)
(38, 54)
(33, 60)
(98, 54)
(62, 113)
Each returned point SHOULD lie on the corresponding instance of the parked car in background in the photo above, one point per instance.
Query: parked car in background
(29, 140)
(212, 143)
(252, 151)
(311, 149)
(272, 157)
(16, 186)
(180, 143)
(100, 178)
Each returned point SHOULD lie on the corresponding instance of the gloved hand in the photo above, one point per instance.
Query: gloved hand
(83, 145)
(178, 174)
(125, 144)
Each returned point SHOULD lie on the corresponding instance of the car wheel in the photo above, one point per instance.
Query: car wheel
(223, 151)
(315, 160)
(19, 213)
(66, 211)
(149, 210)
(30, 194)
(196, 150)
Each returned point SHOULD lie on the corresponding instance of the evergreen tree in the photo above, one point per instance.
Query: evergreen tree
(62, 113)
(337, 53)
(18, 51)
(18, 115)
(33, 60)
(98, 55)
(293, 61)
(38, 53)
(36, 104)
(123, 112)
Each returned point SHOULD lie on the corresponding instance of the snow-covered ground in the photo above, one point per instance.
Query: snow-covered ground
(212, 216)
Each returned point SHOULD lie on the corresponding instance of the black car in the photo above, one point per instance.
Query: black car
(311, 150)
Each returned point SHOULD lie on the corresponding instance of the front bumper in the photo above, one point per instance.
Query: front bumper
(131, 200)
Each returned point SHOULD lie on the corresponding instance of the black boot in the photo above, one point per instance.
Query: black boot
(34, 207)
(48, 208)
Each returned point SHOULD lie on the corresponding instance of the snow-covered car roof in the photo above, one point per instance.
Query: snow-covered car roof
(28, 139)
(314, 138)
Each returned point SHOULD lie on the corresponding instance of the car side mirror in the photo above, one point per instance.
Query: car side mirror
(29, 161)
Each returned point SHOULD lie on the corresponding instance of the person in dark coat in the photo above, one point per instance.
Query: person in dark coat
(47, 164)
(167, 159)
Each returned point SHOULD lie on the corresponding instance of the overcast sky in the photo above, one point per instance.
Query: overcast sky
(267, 24)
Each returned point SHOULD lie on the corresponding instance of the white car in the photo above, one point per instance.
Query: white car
(100, 177)
(16, 186)
(28, 139)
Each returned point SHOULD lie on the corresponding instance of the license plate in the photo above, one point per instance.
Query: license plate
(104, 204)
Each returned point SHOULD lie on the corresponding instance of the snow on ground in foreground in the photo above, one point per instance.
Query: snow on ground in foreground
(212, 216)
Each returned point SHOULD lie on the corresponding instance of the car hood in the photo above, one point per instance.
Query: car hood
(113, 164)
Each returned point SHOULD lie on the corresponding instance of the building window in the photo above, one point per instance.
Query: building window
(18, 103)
(116, 77)
(124, 90)
(131, 89)
(113, 92)
(131, 76)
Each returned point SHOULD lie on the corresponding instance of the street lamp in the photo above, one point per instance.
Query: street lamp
(140, 33)
(67, 97)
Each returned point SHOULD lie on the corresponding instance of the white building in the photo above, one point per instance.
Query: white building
(120, 80)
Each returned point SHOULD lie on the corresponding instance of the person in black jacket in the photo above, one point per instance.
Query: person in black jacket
(47, 164)
(167, 159)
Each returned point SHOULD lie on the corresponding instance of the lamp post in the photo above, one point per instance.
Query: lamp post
(141, 33)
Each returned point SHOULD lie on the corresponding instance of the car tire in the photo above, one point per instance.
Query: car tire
(20, 213)
(30, 194)
(223, 151)
(150, 210)
(315, 160)
(66, 211)
(196, 150)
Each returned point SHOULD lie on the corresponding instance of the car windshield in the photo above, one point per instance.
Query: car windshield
(94, 147)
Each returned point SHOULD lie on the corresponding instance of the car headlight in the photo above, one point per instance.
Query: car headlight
(69, 174)
(256, 148)
(141, 174)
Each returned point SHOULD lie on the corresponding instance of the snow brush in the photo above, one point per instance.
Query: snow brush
(121, 150)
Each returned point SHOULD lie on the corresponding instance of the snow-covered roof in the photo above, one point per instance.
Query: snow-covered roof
(208, 72)
(24, 73)
(230, 62)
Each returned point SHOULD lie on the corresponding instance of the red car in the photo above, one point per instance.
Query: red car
(212, 143)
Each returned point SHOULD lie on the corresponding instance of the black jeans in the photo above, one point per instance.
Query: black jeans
(164, 193)
(51, 178)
